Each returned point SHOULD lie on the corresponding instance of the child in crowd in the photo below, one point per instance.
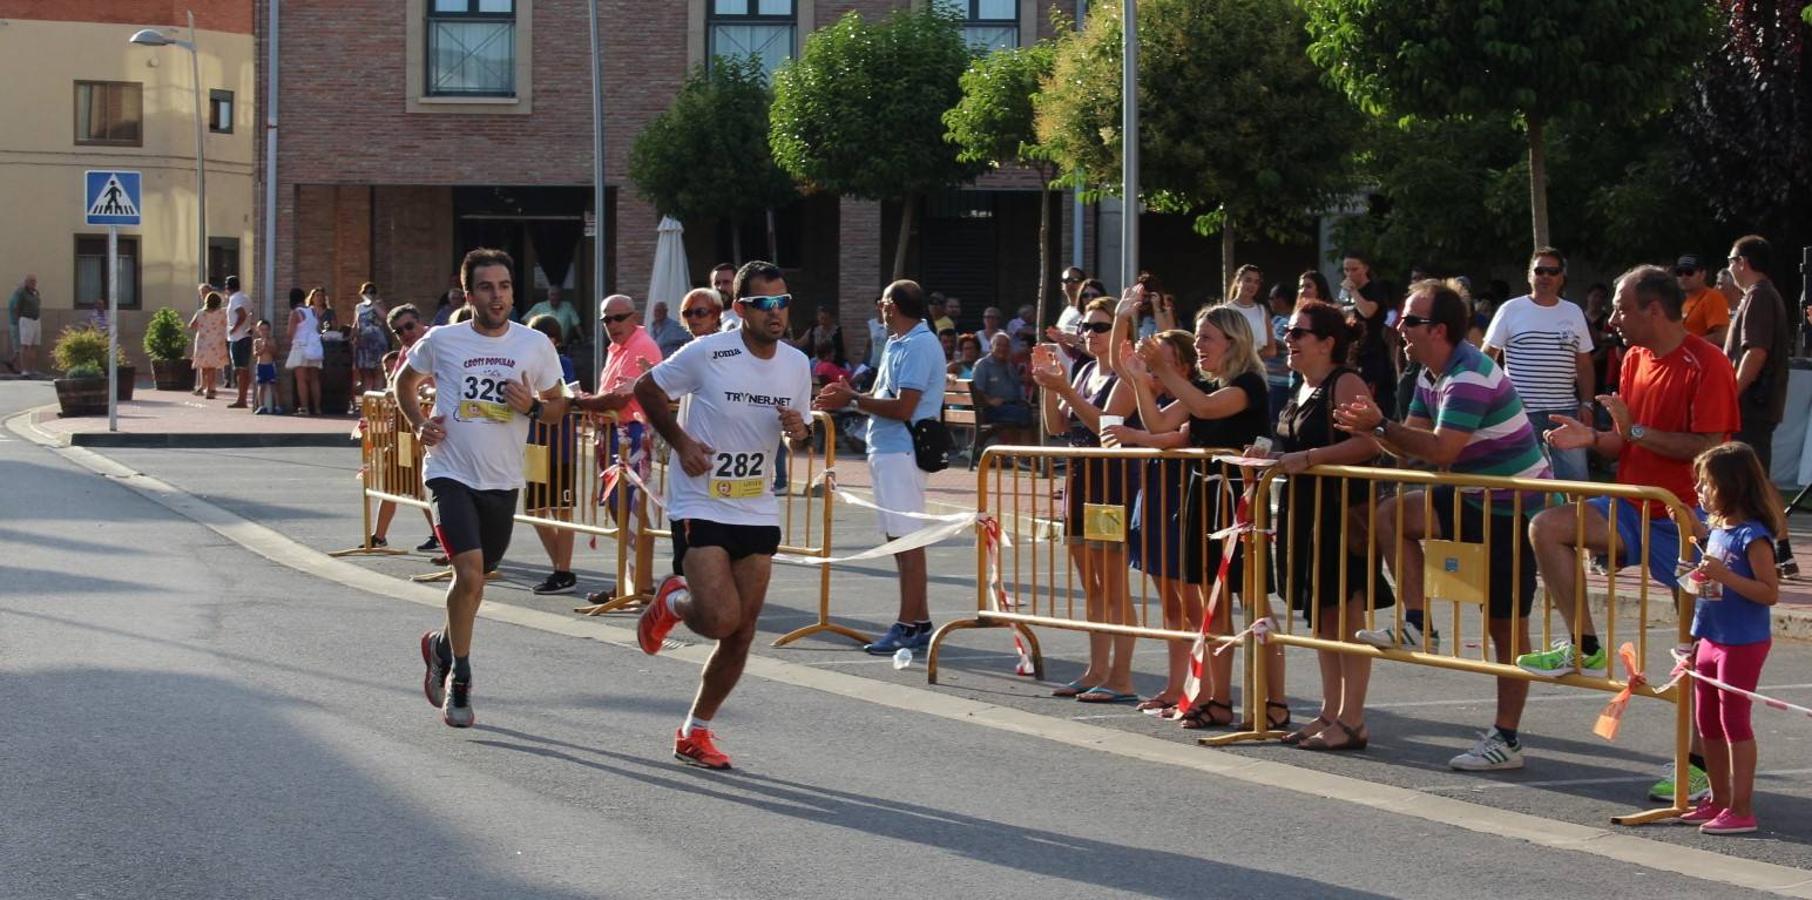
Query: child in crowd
(264, 353)
(1738, 583)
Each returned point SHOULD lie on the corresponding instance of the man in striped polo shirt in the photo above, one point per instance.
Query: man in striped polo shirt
(1466, 418)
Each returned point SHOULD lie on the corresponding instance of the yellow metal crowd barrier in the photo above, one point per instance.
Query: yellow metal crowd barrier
(1065, 523)
(567, 481)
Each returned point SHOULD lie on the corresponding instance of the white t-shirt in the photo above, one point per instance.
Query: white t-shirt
(729, 320)
(735, 398)
(485, 435)
(1541, 347)
(1260, 320)
(235, 303)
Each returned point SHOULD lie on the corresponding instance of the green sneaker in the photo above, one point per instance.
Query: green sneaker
(1562, 659)
(1697, 783)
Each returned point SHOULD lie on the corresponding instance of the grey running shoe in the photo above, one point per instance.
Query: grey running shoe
(457, 710)
(433, 683)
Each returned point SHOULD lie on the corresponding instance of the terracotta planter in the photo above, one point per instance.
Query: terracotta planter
(82, 396)
(172, 374)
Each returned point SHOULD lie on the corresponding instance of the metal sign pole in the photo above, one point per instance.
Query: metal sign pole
(113, 328)
(601, 230)
(1129, 144)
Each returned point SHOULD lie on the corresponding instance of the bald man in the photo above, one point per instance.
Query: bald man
(632, 352)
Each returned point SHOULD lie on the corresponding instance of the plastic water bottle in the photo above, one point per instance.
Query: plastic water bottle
(902, 658)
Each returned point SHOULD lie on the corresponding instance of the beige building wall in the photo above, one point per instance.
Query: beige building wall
(41, 164)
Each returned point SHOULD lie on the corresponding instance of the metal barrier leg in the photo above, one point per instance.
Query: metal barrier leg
(824, 623)
(365, 548)
(937, 641)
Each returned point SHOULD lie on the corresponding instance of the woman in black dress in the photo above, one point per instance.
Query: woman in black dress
(1311, 556)
(1073, 409)
(1226, 407)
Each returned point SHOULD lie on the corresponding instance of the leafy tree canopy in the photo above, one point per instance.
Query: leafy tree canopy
(707, 154)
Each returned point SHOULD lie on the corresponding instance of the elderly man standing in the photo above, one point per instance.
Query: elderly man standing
(632, 352)
(555, 305)
(22, 312)
(667, 334)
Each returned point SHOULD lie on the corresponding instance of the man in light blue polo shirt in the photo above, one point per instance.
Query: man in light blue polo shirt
(908, 388)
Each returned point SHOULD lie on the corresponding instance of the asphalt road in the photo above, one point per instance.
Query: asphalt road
(192, 719)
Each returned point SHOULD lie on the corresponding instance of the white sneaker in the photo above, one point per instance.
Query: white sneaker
(1387, 638)
(1490, 754)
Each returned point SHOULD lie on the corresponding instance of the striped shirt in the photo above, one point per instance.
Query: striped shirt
(1541, 347)
(1473, 396)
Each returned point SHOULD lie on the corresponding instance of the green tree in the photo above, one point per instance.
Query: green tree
(993, 125)
(859, 113)
(706, 156)
(1529, 61)
(1236, 125)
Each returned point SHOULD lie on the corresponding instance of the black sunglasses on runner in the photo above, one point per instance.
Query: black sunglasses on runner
(769, 303)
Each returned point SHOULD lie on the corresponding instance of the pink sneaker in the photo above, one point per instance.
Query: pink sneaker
(1702, 813)
(1728, 822)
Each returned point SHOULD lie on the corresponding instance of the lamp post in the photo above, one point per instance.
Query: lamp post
(151, 37)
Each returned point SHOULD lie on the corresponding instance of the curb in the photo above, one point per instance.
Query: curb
(25, 424)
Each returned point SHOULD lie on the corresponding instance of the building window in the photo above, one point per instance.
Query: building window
(763, 29)
(472, 48)
(109, 112)
(91, 280)
(220, 112)
(223, 259)
(987, 24)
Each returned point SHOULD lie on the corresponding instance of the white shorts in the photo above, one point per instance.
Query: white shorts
(899, 485)
(297, 360)
(31, 332)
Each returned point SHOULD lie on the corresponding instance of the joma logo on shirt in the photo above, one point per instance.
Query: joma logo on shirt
(754, 399)
(720, 354)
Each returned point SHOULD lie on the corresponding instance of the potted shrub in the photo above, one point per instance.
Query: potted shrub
(82, 391)
(166, 342)
(87, 345)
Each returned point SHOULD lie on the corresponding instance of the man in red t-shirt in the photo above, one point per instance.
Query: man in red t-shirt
(1678, 400)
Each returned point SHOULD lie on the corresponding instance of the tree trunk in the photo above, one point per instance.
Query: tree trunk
(735, 245)
(773, 244)
(1227, 238)
(907, 205)
(1538, 182)
(1044, 253)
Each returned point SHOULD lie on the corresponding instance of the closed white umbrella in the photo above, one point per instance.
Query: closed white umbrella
(670, 280)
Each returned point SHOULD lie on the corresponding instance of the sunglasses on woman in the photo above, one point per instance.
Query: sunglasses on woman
(1297, 334)
(769, 303)
(1095, 327)
(696, 312)
(406, 327)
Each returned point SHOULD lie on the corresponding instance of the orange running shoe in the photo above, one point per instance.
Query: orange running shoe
(657, 620)
(698, 750)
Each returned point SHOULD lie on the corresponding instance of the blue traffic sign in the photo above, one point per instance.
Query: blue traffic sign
(111, 197)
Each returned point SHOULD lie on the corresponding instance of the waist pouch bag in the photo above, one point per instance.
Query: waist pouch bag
(931, 445)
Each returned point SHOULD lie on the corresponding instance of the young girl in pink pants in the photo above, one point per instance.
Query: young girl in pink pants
(1732, 624)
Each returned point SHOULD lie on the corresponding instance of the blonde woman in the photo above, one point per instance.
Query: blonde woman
(306, 352)
(210, 326)
(1073, 409)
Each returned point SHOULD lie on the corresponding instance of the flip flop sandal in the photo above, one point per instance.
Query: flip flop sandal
(1103, 695)
(1072, 689)
(1355, 740)
(1151, 703)
(1202, 717)
(1307, 731)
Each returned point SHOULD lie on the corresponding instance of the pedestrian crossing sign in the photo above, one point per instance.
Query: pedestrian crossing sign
(111, 197)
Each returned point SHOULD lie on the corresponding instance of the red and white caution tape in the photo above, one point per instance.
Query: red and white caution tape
(1683, 667)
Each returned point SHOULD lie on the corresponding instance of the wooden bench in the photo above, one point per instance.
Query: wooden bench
(961, 411)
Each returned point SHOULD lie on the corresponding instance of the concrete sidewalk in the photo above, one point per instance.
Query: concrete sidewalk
(154, 418)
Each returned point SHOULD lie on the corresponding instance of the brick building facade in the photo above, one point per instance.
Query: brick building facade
(379, 178)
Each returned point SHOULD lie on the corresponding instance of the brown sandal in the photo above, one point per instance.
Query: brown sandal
(1273, 724)
(1202, 717)
(1314, 727)
(1356, 739)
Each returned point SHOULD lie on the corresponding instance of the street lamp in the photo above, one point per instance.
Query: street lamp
(151, 37)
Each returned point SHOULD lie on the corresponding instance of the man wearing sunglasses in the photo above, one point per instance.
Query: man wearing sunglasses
(1466, 417)
(1707, 311)
(1545, 345)
(744, 391)
(908, 388)
(632, 352)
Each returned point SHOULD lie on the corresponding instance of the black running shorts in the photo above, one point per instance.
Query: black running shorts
(466, 519)
(738, 541)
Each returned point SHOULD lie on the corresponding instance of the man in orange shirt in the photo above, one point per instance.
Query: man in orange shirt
(1707, 311)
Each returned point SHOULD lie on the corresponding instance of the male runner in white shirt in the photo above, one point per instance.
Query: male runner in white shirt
(747, 389)
(492, 376)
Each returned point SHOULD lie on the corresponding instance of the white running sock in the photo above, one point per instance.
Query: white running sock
(692, 722)
(676, 598)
